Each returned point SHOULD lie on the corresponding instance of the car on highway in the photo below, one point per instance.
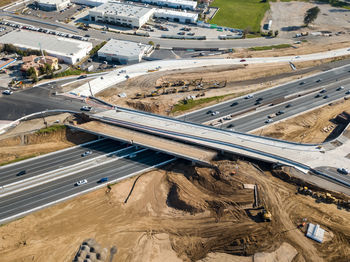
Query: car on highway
(242, 60)
(7, 92)
(302, 83)
(81, 182)
(323, 91)
(214, 113)
(281, 112)
(133, 155)
(318, 95)
(297, 57)
(181, 33)
(86, 108)
(325, 97)
(230, 126)
(190, 34)
(249, 96)
(234, 103)
(102, 180)
(257, 103)
(318, 80)
(340, 88)
(21, 173)
(210, 112)
(288, 106)
(343, 171)
(82, 76)
(268, 121)
(347, 92)
(227, 118)
(86, 153)
(259, 99)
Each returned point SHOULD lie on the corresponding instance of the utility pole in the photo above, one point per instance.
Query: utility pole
(42, 53)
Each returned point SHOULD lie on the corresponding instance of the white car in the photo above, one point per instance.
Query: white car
(268, 121)
(86, 108)
(249, 96)
(81, 182)
(7, 92)
(86, 153)
(215, 113)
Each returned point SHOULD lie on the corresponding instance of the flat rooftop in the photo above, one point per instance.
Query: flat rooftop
(52, 44)
(124, 48)
(180, 2)
(121, 9)
(51, 2)
(175, 13)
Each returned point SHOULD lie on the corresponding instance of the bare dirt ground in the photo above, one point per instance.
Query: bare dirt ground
(184, 213)
(240, 80)
(286, 15)
(312, 127)
(23, 141)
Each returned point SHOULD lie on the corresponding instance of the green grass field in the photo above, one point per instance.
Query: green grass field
(240, 13)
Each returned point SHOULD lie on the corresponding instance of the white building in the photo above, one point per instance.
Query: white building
(66, 50)
(176, 16)
(123, 51)
(121, 14)
(182, 4)
(93, 3)
(52, 5)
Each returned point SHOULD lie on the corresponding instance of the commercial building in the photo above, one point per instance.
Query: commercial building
(121, 14)
(93, 3)
(181, 4)
(65, 50)
(52, 5)
(176, 16)
(123, 51)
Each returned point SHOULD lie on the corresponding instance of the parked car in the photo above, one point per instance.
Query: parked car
(81, 182)
(86, 153)
(86, 108)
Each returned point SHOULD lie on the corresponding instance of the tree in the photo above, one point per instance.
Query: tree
(276, 33)
(311, 15)
(151, 43)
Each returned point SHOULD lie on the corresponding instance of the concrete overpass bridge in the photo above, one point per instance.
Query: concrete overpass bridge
(194, 141)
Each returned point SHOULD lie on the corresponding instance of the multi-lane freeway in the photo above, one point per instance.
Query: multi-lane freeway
(61, 159)
(40, 196)
(330, 79)
(64, 187)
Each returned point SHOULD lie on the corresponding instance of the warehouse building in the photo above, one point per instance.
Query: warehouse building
(52, 5)
(116, 13)
(123, 52)
(181, 4)
(65, 50)
(92, 3)
(176, 16)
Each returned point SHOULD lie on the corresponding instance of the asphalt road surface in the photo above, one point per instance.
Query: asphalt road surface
(36, 99)
(47, 163)
(273, 95)
(61, 188)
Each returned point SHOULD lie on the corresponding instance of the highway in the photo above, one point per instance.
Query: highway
(334, 78)
(65, 188)
(60, 159)
(257, 120)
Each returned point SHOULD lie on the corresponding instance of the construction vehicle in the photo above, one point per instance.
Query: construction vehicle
(305, 190)
(330, 198)
(265, 215)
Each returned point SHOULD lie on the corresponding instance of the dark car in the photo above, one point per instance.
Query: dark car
(82, 76)
(102, 180)
(234, 104)
(288, 106)
(21, 173)
(301, 83)
(318, 95)
(323, 91)
(325, 97)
